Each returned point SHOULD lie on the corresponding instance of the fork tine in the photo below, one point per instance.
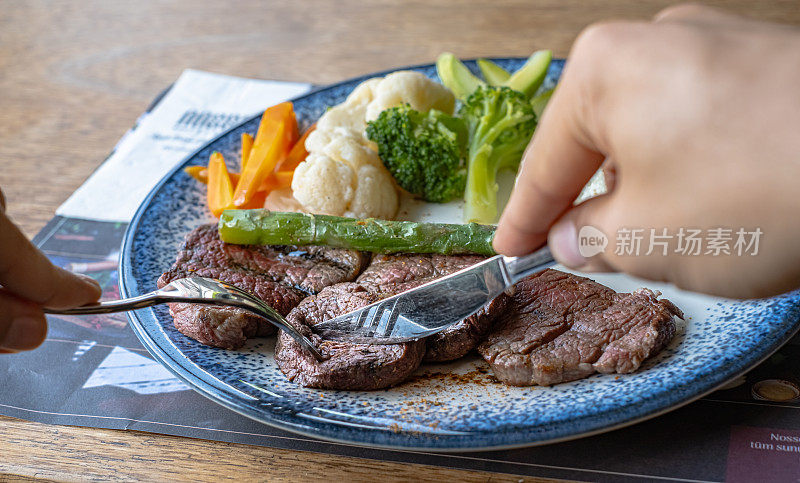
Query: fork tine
(387, 321)
(369, 317)
(362, 319)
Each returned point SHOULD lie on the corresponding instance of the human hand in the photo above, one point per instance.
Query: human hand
(697, 117)
(29, 282)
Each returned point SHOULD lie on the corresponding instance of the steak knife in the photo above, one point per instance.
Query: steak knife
(436, 305)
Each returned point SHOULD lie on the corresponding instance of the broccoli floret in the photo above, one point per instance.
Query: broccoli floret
(423, 151)
(500, 121)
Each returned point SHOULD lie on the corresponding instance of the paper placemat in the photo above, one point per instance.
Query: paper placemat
(197, 108)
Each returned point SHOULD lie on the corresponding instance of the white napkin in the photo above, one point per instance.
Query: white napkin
(198, 107)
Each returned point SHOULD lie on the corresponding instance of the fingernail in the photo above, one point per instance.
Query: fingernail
(563, 242)
(88, 279)
(25, 333)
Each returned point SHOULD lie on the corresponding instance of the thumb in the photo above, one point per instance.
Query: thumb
(27, 273)
(582, 239)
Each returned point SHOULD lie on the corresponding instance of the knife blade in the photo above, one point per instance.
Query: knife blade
(434, 306)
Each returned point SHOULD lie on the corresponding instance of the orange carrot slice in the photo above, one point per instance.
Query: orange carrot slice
(257, 201)
(247, 145)
(297, 154)
(200, 173)
(220, 188)
(284, 178)
(276, 134)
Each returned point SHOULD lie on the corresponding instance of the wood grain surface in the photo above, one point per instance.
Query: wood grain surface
(74, 76)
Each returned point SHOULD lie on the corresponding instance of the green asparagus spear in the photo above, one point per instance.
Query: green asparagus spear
(264, 227)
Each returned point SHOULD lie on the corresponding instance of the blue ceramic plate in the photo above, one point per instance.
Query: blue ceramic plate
(453, 406)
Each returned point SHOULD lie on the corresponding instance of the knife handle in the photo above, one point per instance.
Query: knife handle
(521, 267)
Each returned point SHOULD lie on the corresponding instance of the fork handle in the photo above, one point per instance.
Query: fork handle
(524, 266)
(111, 306)
(196, 290)
(140, 302)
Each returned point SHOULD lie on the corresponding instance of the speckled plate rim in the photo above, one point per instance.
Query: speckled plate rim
(313, 426)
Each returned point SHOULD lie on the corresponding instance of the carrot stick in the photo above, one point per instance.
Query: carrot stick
(247, 145)
(200, 173)
(271, 144)
(277, 180)
(220, 188)
(284, 178)
(257, 201)
(297, 154)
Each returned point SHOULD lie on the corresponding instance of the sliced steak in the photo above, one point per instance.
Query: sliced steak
(459, 339)
(388, 272)
(347, 366)
(562, 327)
(398, 273)
(225, 327)
(361, 366)
(282, 276)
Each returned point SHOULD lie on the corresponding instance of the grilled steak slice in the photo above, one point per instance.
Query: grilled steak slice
(563, 327)
(459, 339)
(387, 272)
(398, 273)
(225, 327)
(347, 366)
(282, 276)
(361, 366)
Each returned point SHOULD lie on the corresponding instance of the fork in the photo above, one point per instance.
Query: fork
(197, 290)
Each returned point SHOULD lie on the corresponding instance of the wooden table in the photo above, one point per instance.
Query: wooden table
(74, 76)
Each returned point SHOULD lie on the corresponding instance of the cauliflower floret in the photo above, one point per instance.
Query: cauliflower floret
(324, 186)
(409, 87)
(364, 184)
(348, 148)
(347, 116)
(375, 194)
(364, 92)
(317, 140)
(343, 174)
